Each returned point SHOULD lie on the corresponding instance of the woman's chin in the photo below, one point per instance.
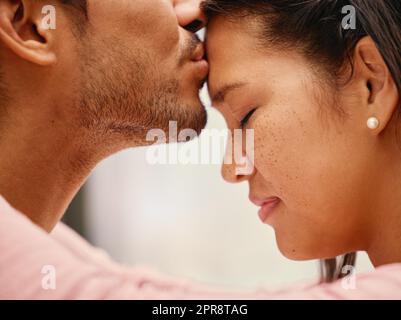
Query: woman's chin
(296, 256)
(295, 252)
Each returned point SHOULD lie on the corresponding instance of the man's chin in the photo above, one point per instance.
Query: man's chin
(195, 120)
(185, 126)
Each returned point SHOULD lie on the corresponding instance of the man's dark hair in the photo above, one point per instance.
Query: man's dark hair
(3, 94)
(78, 11)
(80, 5)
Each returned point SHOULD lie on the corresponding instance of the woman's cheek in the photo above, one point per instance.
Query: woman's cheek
(281, 155)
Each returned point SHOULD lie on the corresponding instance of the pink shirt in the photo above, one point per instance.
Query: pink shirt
(79, 271)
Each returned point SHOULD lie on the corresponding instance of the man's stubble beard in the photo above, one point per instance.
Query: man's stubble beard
(125, 95)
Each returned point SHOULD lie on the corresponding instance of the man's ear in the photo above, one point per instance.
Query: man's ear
(382, 96)
(22, 32)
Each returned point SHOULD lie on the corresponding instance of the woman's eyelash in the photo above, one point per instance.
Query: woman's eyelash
(247, 117)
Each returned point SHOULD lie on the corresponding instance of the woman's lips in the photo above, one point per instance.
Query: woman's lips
(267, 207)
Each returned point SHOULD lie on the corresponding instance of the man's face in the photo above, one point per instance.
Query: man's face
(139, 68)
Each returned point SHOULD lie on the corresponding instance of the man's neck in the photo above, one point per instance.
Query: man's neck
(42, 166)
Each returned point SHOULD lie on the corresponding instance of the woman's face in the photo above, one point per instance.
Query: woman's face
(317, 161)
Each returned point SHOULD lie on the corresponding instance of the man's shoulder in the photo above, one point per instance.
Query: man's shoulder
(81, 247)
(28, 252)
(14, 224)
(18, 231)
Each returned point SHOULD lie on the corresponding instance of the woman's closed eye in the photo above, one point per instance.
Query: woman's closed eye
(247, 117)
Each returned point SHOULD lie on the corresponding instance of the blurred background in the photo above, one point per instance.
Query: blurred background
(183, 220)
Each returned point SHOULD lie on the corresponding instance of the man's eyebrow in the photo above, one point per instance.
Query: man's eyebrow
(226, 89)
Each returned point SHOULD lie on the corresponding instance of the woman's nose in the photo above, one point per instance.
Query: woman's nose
(229, 174)
(189, 14)
(235, 170)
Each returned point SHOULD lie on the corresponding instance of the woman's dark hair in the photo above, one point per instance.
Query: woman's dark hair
(316, 29)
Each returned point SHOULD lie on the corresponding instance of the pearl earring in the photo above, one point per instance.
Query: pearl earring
(373, 123)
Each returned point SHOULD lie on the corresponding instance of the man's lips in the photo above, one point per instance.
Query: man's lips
(202, 67)
(266, 205)
(198, 59)
(199, 52)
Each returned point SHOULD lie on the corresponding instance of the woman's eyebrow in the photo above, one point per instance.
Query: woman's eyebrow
(226, 89)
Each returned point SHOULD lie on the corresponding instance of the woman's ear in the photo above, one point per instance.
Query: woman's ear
(22, 31)
(382, 95)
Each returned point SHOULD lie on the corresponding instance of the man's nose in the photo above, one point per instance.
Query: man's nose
(189, 14)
